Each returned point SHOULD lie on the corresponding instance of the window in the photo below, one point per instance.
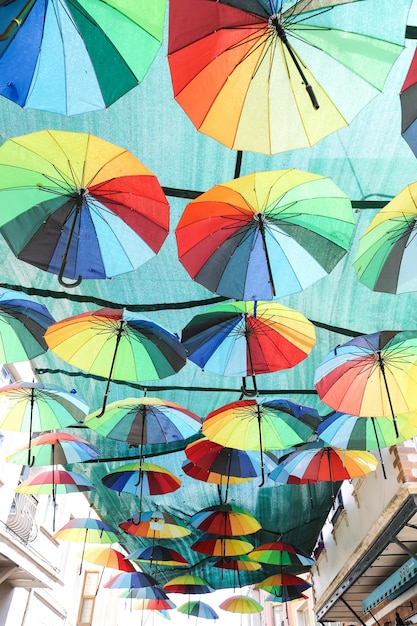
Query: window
(302, 616)
(319, 547)
(338, 507)
(88, 598)
(278, 615)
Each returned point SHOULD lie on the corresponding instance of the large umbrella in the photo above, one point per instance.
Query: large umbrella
(241, 604)
(115, 344)
(255, 425)
(188, 583)
(78, 206)
(132, 580)
(222, 546)
(198, 609)
(107, 556)
(54, 449)
(151, 604)
(387, 253)
(155, 525)
(214, 478)
(159, 555)
(274, 76)
(248, 338)
(371, 375)
(265, 235)
(52, 52)
(23, 323)
(408, 110)
(225, 519)
(282, 585)
(280, 553)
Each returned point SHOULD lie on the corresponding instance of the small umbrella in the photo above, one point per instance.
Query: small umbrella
(223, 546)
(155, 525)
(54, 449)
(77, 206)
(408, 112)
(23, 323)
(280, 553)
(159, 555)
(273, 76)
(372, 374)
(265, 235)
(225, 519)
(198, 609)
(241, 604)
(282, 585)
(387, 253)
(254, 425)
(113, 343)
(187, 583)
(52, 58)
(132, 580)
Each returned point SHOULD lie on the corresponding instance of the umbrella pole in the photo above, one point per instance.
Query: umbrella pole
(379, 448)
(82, 555)
(243, 389)
(238, 163)
(259, 417)
(382, 366)
(16, 21)
(78, 207)
(32, 402)
(260, 217)
(106, 393)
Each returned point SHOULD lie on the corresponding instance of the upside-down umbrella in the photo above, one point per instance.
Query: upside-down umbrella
(280, 553)
(77, 206)
(408, 112)
(54, 449)
(225, 519)
(254, 425)
(35, 407)
(114, 344)
(188, 583)
(274, 76)
(387, 252)
(282, 585)
(265, 235)
(51, 54)
(248, 338)
(159, 555)
(23, 323)
(241, 604)
(222, 546)
(155, 525)
(198, 609)
(371, 375)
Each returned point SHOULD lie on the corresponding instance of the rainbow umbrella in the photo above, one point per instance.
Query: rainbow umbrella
(407, 99)
(54, 449)
(159, 555)
(113, 343)
(237, 564)
(265, 235)
(87, 530)
(283, 585)
(288, 596)
(157, 604)
(77, 206)
(141, 479)
(198, 609)
(52, 53)
(155, 525)
(207, 476)
(223, 546)
(132, 580)
(151, 592)
(241, 604)
(225, 519)
(107, 556)
(280, 553)
(187, 583)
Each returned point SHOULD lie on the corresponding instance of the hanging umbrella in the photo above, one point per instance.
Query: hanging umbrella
(106, 556)
(159, 555)
(35, 407)
(371, 375)
(145, 421)
(274, 76)
(207, 476)
(187, 583)
(223, 546)
(408, 112)
(248, 338)
(241, 604)
(155, 525)
(54, 449)
(224, 460)
(282, 585)
(52, 55)
(114, 344)
(225, 519)
(387, 253)
(156, 604)
(132, 580)
(152, 592)
(280, 553)
(78, 206)
(198, 609)
(23, 323)
(265, 235)
(240, 563)
(287, 596)
(252, 425)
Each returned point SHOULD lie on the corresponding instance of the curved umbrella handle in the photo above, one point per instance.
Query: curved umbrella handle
(61, 273)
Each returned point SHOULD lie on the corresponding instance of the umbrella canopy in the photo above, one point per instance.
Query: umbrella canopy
(283, 585)
(157, 604)
(87, 530)
(51, 57)
(241, 563)
(54, 449)
(145, 593)
(241, 604)
(280, 553)
(224, 460)
(287, 596)
(155, 525)
(53, 482)
(113, 343)
(131, 580)
(187, 584)
(198, 609)
(207, 476)
(141, 479)
(371, 375)
(222, 546)
(408, 113)
(23, 323)
(246, 338)
(281, 65)
(225, 519)
(159, 555)
(265, 235)
(387, 253)
(106, 556)
(78, 206)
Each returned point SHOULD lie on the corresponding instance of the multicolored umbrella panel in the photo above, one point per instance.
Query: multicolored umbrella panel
(155, 525)
(23, 323)
(228, 520)
(107, 556)
(271, 76)
(265, 235)
(159, 555)
(132, 580)
(283, 585)
(77, 206)
(52, 52)
(280, 553)
(188, 583)
(241, 604)
(407, 99)
(115, 344)
(222, 546)
(198, 609)
(157, 604)
(54, 449)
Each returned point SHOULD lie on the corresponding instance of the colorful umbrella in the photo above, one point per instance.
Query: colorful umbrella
(113, 343)
(241, 604)
(408, 113)
(106, 556)
(22, 326)
(287, 596)
(225, 519)
(78, 206)
(280, 553)
(223, 460)
(282, 585)
(52, 53)
(151, 592)
(371, 375)
(216, 545)
(156, 604)
(187, 584)
(132, 580)
(198, 609)
(159, 555)
(54, 449)
(155, 525)
(274, 76)
(207, 476)
(248, 338)
(237, 564)
(387, 253)
(252, 425)
(265, 235)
